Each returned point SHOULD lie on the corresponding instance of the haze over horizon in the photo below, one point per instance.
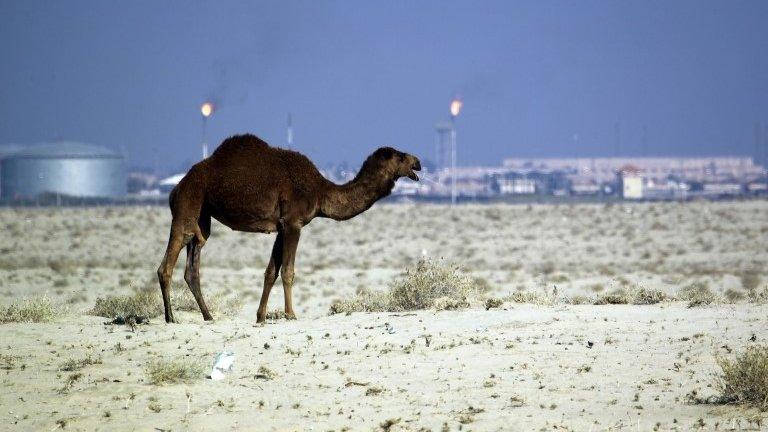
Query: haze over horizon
(683, 78)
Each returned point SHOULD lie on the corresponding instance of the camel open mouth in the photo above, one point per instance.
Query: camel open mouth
(416, 167)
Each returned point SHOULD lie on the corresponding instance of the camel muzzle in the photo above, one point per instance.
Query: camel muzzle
(416, 167)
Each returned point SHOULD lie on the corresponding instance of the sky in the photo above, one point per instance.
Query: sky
(538, 78)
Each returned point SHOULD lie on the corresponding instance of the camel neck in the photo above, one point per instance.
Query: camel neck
(342, 202)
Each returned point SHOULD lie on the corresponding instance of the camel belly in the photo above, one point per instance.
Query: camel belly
(248, 223)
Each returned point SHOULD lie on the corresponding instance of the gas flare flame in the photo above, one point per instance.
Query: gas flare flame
(206, 109)
(456, 107)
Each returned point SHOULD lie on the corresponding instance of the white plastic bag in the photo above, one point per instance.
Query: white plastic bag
(222, 363)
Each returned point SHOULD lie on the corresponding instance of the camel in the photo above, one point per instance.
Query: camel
(250, 186)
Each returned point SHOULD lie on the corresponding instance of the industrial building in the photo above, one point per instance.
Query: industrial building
(69, 169)
(601, 169)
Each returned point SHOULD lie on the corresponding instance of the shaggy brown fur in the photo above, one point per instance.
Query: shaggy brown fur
(249, 186)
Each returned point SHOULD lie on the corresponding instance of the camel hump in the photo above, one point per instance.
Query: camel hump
(241, 143)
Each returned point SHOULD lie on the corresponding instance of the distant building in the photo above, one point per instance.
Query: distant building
(722, 189)
(703, 169)
(631, 182)
(63, 168)
(516, 186)
(583, 185)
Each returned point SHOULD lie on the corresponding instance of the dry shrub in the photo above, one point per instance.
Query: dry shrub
(744, 379)
(431, 284)
(448, 303)
(733, 295)
(147, 301)
(77, 364)
(276, 314)
(8, 361)
(162, 372)
(646, 296)
(217, 302)
(612, 298)
(364, 301)
(429, 281)
(31, 309)
(538, 298)
(493, 302)
(759, 296)
(698, 294)
(143, 302)
(578, 300)
(265, 373)
(635, 296)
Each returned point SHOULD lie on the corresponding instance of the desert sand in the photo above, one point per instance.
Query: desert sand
(546, 365)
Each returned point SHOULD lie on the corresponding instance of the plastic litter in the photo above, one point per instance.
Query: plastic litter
(389, 328)
(222, 363)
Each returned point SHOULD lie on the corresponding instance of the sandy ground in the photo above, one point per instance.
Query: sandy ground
(522, 367)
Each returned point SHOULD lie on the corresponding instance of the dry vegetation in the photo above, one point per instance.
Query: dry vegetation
(31, 310)
(430, 284)
(161, 372)
(146, 302)
(744, 378)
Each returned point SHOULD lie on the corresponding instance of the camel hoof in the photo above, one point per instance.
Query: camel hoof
(290, 316)
(261, 319)
(207, 318)
(170, 320)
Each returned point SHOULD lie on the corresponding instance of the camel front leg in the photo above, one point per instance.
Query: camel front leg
(290, 243)
(270, 276)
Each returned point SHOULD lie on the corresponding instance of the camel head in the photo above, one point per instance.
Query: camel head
(393, 162)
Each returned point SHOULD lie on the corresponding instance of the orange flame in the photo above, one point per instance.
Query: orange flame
(206, 109)
(456, 107)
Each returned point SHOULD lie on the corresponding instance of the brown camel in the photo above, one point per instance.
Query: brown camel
(249, 186)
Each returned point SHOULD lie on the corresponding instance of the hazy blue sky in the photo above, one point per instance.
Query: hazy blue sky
(361, 74)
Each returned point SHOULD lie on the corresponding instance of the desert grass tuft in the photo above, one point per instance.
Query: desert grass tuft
(744, 379)
(364, 301)
(162, 372)
(147, 302)
(698, 294)
(8, 361)
(429, 281)
(143, 302)
(73, 364)
(758, 296)
(612, 298)
(545, 298)
(647, 296)
(431, 284)
(265, 373)
(493, 302)
(31, 310)
(632, 295)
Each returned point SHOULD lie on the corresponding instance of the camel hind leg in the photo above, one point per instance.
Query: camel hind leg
(176, 242)
(192, 271)
(270, 276)
(180, 236)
